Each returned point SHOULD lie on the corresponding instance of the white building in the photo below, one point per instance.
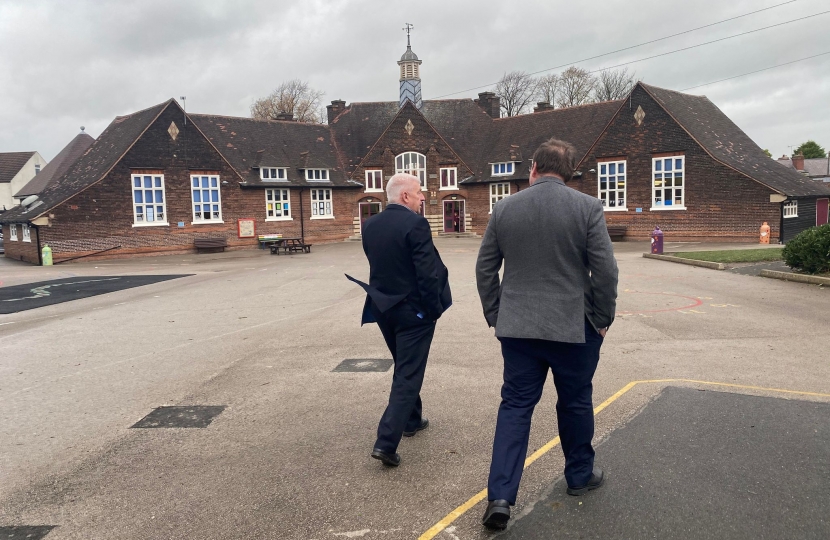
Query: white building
(16, 170)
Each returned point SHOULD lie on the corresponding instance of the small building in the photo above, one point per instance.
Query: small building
(815, 168)
(57, 167)
(16, 170)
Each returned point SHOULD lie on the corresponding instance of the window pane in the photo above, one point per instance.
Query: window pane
(612, 168)
(678, 163)
(150, 214)
(621, 168)
(603, 169)
(197, 196)
(158, 181)
(136, 181)
(214, 195)
(138, 197)
(658, 165)
(214, 182)
(159, 196)
(195, 181)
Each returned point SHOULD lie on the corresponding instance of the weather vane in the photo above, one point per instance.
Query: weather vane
(408, 28)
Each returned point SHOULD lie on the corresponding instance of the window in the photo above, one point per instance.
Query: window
(413, 163)
(498, 192)
(791, 209)
(272, 173)
(449, 178)
(37, 168)
(149, 206)
(317, 175)
(277, 205)
(612, 184)
(503, 169)
(321, 204)
(374, 181)
(13, 232)
(27, 233)
(667, 183)
(207, 200)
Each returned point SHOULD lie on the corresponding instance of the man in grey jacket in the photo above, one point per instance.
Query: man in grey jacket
(551, 312)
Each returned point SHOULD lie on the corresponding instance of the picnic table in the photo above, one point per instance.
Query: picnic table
(290, 245)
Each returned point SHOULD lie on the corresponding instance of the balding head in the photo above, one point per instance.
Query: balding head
(405, 189)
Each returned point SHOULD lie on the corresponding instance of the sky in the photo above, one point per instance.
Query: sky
(66, 64)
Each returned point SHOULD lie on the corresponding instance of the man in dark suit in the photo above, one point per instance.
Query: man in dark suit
(408, 291)
(551, 312)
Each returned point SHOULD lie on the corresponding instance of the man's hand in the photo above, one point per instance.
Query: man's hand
(603, 331)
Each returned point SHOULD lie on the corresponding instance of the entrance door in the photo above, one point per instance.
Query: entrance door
(367, 210)
(821, 211)
(453, 216)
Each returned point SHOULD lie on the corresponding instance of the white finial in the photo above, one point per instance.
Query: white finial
(82, 129)
(408, 28)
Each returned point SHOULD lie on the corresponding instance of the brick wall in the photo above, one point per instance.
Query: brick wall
(20, 250)
(722, 204)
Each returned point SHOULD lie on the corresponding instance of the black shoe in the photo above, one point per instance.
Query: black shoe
(597, 476)
(497, 515)
(423, 426)
(390, 460)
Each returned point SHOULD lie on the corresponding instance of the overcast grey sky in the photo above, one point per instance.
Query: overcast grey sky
(82, 62)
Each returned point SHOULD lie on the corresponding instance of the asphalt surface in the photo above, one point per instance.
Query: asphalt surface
(288, 457)
(700, 464)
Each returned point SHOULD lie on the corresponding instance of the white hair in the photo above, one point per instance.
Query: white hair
(398, 184)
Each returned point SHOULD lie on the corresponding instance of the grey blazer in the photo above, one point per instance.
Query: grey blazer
(559, 264)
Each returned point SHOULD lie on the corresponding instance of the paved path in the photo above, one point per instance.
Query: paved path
(287, 457)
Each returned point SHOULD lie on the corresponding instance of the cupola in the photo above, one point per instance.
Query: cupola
(410, 81)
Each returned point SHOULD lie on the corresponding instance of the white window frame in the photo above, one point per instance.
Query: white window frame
(604, 173)
(214, 183)
(451, 172)
(281, 205)
(374, 177)
(324, 204)
(317, 175)
(495, 196)
(504, 168)
(27, 232)
(156, 186)
(791, 209)
(419, 170)
(654, 189)
(13, 232)
(273, 174)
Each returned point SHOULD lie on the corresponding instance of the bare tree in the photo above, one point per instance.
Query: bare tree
(614, 84)
(516, 91)
(576, 87)
(547, 88)
(294, 97)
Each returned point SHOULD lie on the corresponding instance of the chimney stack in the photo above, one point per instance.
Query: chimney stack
(490, 103)
(542, 106)
(337, 106)
(798, 162)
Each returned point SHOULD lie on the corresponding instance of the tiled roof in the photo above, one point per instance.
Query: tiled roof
(96, 162)
(59, 165)
(727, 143)
(814, 167)
(248, 144)
(11, 163)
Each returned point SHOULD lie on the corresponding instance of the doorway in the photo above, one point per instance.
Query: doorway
(367, 210)
(453, 216)
(822, 211)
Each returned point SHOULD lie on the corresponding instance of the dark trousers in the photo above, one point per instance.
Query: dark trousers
(526, 365)
(408, 338)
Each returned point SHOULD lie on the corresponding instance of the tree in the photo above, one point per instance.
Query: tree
(767, 152)
(547, 88)
(294, 97)
(613, 84)
(810, 149)
(576, 87)
(516, 91)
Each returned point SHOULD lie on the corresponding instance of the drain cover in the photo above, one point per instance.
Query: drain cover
(192, 416)
(364, 364)
(25, 532)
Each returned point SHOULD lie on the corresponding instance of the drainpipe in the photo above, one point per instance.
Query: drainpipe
(781, 224)
(302, 219)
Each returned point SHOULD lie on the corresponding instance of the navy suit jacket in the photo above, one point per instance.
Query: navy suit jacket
(403, 265)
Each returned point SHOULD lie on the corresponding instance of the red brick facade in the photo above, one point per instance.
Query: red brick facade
(18, 249)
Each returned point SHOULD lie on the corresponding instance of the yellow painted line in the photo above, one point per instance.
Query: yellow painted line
(433, 531)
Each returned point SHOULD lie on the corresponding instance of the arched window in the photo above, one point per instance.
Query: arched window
(413, 163)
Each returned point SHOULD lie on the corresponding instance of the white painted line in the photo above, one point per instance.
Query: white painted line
(5, 323)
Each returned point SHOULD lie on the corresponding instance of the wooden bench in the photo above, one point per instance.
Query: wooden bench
(210, 243)
(616, 232)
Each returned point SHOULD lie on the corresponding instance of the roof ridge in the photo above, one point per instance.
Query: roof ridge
(144, 110)
(561, 109)
(263, 120)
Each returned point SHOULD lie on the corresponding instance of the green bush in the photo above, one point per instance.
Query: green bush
(809, 251)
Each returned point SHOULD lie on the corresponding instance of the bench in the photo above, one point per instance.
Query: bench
(210, 243)
(616, 232)
(290, 245)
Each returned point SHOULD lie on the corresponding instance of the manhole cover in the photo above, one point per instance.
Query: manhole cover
(25, 532)
(364, 364)
(193, 416)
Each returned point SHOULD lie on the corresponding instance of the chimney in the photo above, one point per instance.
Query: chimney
(490, 103)
(798, 162)
(543, 106)
(335, 108)
(286, 117)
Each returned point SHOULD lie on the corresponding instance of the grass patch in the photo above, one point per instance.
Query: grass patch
(734, 255)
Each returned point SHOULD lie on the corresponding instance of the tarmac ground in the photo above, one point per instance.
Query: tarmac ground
(711, 400)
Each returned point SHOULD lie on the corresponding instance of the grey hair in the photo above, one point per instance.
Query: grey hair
(397, 184)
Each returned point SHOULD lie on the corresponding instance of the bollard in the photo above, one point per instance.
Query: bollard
(765, 233)
(657, 241)
(46, 255)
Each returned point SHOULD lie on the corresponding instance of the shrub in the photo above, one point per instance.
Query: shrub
(809, 251)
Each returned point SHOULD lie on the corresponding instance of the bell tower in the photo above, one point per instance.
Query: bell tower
(410, 83)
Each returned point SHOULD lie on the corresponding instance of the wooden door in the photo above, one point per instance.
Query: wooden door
(822, 211)
(367, 210)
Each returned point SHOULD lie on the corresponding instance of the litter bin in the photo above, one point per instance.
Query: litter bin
(657, 241)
